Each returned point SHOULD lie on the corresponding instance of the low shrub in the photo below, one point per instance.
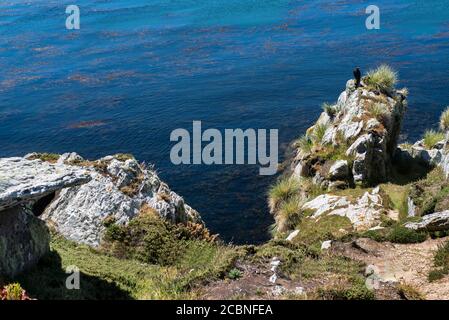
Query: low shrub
(431, 138)
(13, 291)
(234, 274)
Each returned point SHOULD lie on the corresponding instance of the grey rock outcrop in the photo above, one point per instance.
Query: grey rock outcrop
(118, 189)
(362, 127)
(23, 180)
(438, 221)
(364, 212)
(74, 196)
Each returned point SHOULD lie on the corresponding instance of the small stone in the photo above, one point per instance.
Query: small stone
(292, 235)
(278, 291)
(326, 245)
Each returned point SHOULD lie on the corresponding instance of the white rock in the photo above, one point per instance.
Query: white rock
(326, 245)
(364, 213)
(438, 221)
(23, 180)
(78, 212)
(411, 212)
(292, 235)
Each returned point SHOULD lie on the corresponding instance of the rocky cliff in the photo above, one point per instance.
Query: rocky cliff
(353, 140)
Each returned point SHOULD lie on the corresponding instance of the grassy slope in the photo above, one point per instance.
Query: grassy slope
(107, 277)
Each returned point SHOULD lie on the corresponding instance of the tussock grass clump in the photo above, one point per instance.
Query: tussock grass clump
(383, 78)
(444, 120)
(354, 289)
(318, 133)
(289, 214)
(282, 191)
(409, 292)
(440, 262)
(377, 110)
(304, 143)
(431, 138)
(330, 109)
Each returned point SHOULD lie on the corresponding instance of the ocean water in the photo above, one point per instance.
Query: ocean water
(136, 70)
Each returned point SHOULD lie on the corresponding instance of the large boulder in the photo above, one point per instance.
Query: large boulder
(23, 180)
(26, 187)
(24, 239)
(364, 212)
(118, 189)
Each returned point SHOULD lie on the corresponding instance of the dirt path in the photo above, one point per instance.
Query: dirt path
(400, 263)
(410, 264)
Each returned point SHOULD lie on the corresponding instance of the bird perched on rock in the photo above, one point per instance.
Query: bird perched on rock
(357, 76)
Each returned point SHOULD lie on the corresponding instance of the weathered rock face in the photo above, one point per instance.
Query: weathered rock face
(23, 180)
(24, 238)
(364, 213)
(118, 189)
(362, 129)
(438, 221)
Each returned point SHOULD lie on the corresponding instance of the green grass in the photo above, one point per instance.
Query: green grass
(318, 133)
(354, 289)
(48, 157)
(431, 138)
(398, 196)
(431, 194)
(304, 143)
(444, 120)
(281, 191)
(382, 78)
(396, 233)
(289, 214)
(234, 274)
(327, 227)
(440, 262)
(108, 277)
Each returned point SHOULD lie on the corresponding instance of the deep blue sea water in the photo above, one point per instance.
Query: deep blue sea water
(136, 70)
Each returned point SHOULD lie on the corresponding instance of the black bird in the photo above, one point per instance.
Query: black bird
(357, 76)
